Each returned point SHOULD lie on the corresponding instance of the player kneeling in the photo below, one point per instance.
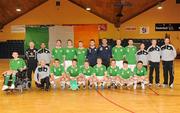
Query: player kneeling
(86, 72)
(113, 72)
(16, 65)
(57, 74)
(73, 74)
(41, 76)
(140, 75)
(126, 75)
(100, 75)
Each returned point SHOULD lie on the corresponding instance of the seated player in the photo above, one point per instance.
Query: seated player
(16, 65)
(113, 72)
(41, 76)
(73, 73)
(57, 74)
(140, 75)
(87, 72)
(126, 75)
(100, 75)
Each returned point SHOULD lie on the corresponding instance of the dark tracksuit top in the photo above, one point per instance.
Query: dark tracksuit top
(92, 56)
(31, 57)
(105, 53)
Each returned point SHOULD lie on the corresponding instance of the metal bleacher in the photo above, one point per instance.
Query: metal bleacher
(7, 47)
(137, 42)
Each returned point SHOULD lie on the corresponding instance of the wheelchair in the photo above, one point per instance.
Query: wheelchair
(22, 82)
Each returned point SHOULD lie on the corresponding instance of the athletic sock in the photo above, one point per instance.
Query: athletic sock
(6, 79)
(13, 79)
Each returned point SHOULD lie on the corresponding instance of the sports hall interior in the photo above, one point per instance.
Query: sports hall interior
(111, 19)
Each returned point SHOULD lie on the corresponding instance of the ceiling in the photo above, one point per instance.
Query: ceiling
(117, 11)
(114, 11)
(8, 8)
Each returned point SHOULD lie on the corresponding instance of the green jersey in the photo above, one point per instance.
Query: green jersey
(86, 72)
(125, 73)
(57, 71)
(140, 72)
(130, 54)
(58, 53)
(17, 64)
(73, 71)
(99, 71)
(118, 53)
(113, 71)
(69, 53)
(81, 56)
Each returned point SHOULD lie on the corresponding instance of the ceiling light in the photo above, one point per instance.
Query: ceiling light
(159, 6)
(18, 10)
(88, 8)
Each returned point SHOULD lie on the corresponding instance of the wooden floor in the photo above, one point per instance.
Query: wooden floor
(155, 100)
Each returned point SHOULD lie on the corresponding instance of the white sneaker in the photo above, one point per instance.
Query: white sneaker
(149, 84)
(5, 87)
(165, 85)
(52, 82)
(63, 86)
(158, 85)
(171, 86)
(54, 86)
(142, 85)
(135, 86)
(12, 86)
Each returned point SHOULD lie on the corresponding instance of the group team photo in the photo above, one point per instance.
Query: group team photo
(89, 56)
(101, 67)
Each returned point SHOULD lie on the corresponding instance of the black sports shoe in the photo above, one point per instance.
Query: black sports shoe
(84, 87)
(90, 86)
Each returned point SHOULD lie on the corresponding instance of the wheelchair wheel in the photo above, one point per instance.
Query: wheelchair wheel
(28, 85)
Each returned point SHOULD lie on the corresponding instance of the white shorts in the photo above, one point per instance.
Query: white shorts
(56, 77)
(73, 78)
(67, 63)
(132, 66)
(87, 77)
(100, 77)
(119, 64)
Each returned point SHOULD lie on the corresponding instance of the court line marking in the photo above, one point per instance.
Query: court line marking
(126, 109)
(137, 93)
(154, 91)
(149, 94)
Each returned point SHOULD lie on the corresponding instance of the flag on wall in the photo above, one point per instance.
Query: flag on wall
(38, 35)
(62, 33)
(49, 35)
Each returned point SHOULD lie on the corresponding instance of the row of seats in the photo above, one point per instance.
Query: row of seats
(124, 42)
(9, 46)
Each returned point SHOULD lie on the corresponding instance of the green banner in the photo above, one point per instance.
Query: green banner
(38, 35)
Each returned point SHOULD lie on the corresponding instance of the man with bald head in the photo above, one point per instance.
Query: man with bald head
(31, 57)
